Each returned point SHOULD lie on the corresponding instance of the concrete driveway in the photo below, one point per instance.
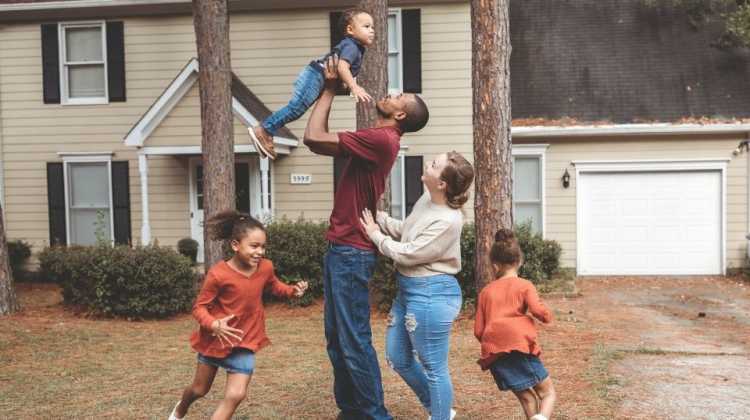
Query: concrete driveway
(677, 347)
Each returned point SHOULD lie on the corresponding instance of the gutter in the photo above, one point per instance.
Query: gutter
(662, 129)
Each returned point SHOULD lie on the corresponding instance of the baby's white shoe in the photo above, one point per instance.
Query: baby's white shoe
(538, 417)
(453, 414)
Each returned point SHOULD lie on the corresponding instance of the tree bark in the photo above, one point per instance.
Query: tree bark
(211, 22)
(373, 76)
(8, 299)
(491, 119)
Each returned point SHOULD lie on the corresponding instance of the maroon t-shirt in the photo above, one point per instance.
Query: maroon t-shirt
(369, 155)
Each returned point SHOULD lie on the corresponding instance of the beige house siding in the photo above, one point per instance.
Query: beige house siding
(560, 205)
(267, 57)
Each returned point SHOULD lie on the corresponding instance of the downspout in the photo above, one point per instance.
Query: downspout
(747, 181)
(2, 164)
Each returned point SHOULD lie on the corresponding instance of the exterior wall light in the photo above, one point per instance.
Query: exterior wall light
(566, 179)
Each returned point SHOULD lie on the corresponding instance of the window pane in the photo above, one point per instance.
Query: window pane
(392, 34)
(86, 224)
(393, 73)
(526, 212)
(397, 190)
(83, 44)
(199, 185)
(88, 185)
(526, 182)
(86, 81)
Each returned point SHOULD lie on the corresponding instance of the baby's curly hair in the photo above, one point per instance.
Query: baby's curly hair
(347, 16)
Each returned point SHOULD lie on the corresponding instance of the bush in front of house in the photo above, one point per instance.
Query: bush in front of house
(541, 262)
(189, 248)
(141, 282)
(19, 252)
(296, 249)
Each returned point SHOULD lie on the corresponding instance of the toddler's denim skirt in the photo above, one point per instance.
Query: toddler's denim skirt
(517, 371)
(239, 361)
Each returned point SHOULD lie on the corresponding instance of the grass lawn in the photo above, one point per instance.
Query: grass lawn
(54, 364)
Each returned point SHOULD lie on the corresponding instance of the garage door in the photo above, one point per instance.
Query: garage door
(650, 223)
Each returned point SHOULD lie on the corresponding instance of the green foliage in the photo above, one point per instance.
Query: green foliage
(735, 15)
(296, 249)
(18, 254)
(142, 282)
(189, 248)
(542, 261)
(738, 24)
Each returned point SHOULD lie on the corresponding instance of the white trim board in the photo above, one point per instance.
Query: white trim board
(174, 93)
(628, 130)
(656, 165)
(196, 150)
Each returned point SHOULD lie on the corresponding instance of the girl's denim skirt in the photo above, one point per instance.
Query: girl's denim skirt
(517, 371)
(239, 361)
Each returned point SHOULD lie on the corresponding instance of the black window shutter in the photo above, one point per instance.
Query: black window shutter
(412, 180)
(336, 37)
(116, 61)
(56, 203)
(50, 64)
(412, 50)
(242, 186)
(121, 202)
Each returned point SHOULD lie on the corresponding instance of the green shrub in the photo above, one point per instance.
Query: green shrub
(542, 260)
(297, 249)
(189, 248)
(18, 254)
(142, 282)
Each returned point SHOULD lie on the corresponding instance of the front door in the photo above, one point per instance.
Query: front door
(245, 177)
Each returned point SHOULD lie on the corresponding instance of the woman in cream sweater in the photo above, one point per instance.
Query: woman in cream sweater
(426, 250)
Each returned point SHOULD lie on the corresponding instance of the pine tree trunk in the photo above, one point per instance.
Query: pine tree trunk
(8, 299)
(491, 119)
(211, 22)
(373, 76)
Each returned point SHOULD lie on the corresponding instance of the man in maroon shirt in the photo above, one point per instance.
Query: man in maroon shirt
(350, 261)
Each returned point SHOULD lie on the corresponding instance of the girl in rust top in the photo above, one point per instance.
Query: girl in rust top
(229, 309)
(506, 329)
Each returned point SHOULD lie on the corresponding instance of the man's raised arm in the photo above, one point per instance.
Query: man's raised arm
(317, 137)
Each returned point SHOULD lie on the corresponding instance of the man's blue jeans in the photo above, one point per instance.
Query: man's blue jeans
(357, 383)
(307, 89)
(418, 338)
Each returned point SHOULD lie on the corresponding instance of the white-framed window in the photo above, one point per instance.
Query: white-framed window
(88, 199)
(528, 185)
(398, 188)
(83, 63)
(395, 48)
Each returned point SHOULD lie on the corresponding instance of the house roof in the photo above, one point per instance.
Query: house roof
(254, 105)
(39, 10)
(247, 107)
(622, 62)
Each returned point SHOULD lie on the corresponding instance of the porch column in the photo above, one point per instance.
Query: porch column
(265, 206)
(145, 225)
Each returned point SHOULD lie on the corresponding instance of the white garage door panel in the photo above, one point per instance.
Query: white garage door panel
(650, 223)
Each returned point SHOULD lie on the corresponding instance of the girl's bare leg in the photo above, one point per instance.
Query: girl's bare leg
(235, 392)
(547, 395)
(527, 397)
(204, 377)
